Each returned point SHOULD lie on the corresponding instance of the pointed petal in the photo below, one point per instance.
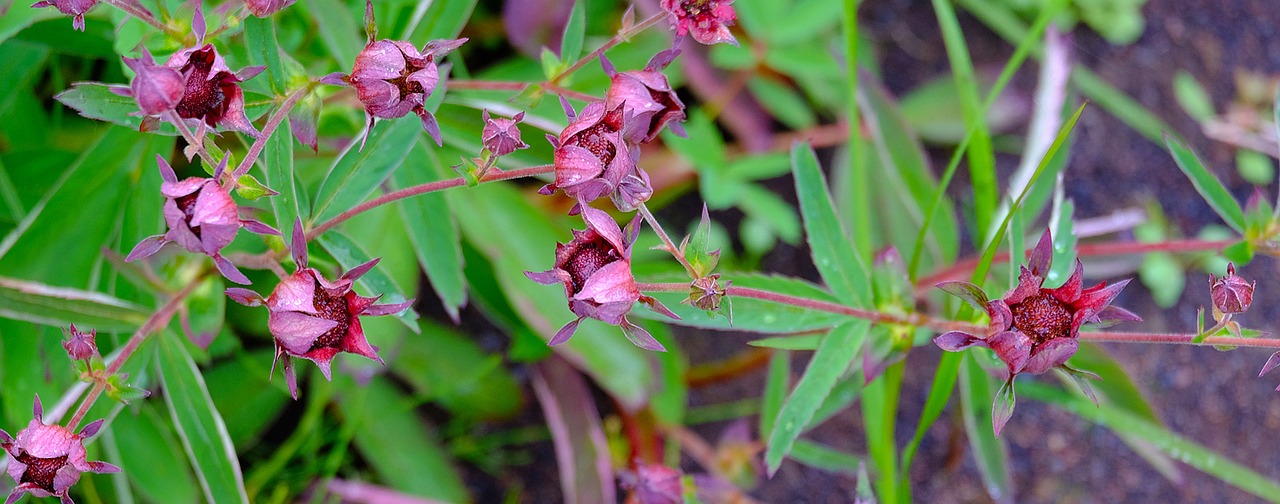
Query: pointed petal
(334, 79)
(291, 378)
(1041, 256)
(607, 65)
(1002, 409)
(1070, 291)
(565, 332)
(1028, 285)
(326, 368)
(658, 307)
(198, 25)
(429, 123)
(146, 248)
(259, 228)
(229, 270)
(1272, 363)
(245, 296)
(603, 224)
(568, 109)
(956, 341)
(249, 72)
(1095, 299)
(89, 430)
(166, 171)
(359, 271)
(103, 468)
(1013, 348)
(37, 411)
(387, 309)
(640, 337)
(549, 277)
(612, 283)
(299, 244)
(1051, 354)
(970, 293)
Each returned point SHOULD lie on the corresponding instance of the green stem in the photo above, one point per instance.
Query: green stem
(669, 245)
(860, 178)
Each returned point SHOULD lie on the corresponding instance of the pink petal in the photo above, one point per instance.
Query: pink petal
(334, 79)
(103, 468)
(565, 332)
(1272, 363)
(296, 292)
(956, 341)
(359, 271)
(640, 337)
(299, 247)
(89, 430)
(1051, 354)
(612, 283)
(229, 270)
(245, 296)
(146, 248)
(296, 331)
(1013, 348)
(1070, 291)
(605, 226)
(387, 309)
(1041, 256)
(258, 227)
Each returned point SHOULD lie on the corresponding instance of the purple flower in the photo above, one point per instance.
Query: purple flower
(265, 8)
(74, 8)
(211, 93)
(316, 319)
(392, 78)
(202, 218)
(593, 159)
(1034, 329)
(46, 460)
(653, 484)
(595, 269)
(1231, 294)
(707, 20)
(645, 98)
(80, 345)
(501, 136)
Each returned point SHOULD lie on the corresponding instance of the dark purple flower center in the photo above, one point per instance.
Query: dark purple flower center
(335, 308)
(588, 258)
(596, 140)
(1042, 317)
(40, 471)
(188, 206)
(402, 83)
(204, 96)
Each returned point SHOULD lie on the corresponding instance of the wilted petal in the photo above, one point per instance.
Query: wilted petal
(956, 341)
(1013, 348)
(1050, 354)
(640, 337)
(146, 248)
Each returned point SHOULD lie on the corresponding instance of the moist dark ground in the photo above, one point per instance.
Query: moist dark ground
(1213, 398)
(1210, 397)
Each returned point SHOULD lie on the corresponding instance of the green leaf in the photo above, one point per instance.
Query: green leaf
(95, 101)
(785, 103)
(776, 384)
(432, 227)
(833, 356)
(1213, 192)
(260, 40)
(977, 391)
(151, 457)
(451, 369)
(442, 19)
(349, 254)
(797, 342)
(278, 157)
(820, 456)
(574, 31)
(1176, 446)
(1255, 167)
(411, 460)
(356, 174)
(20, 63)
(242, 391)
(60, 306)
(839, 265)
(750, 314)
(582, 453)
(1192, 96)
(338, 29)
(199, 425)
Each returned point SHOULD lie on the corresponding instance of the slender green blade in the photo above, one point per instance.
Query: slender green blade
(260, 40)
(358, 173)
(278, 157)
(151, 457)
(1212, 190)
(434, 232)
(776, 384)
(59, 306)
(199, 425)
(839, 264)
(338, 29)
(820, 456)
(574, 31)
(829, 362)
(977, 391)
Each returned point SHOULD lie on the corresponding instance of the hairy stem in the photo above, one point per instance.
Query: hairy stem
(143, 15)
(517, 86)
(391, 197)
(667, 243)
(617, 39)
(158, 320)
(273, 122)
(190, 137)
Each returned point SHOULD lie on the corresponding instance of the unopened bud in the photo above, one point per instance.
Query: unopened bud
(1231, 294)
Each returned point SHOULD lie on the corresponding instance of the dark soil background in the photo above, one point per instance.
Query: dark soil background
(1211, 397)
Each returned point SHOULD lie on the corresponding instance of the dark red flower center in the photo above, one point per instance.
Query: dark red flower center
(40, 471)
(402, 83)
(205, 96)
(587, 259)
(596, 140)
(188, 206)
(1042, 317)
(335, 308)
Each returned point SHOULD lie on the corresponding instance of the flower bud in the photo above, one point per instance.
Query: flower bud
(80, 345)
(46, 460)
(1231, 294)
(705, 293)
(157, 89)
(592, 158)
(501, 136)
(646, 98)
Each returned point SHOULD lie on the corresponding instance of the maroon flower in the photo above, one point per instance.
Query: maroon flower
(593, 159)
(595, 269)
(265, 8)
(211, 92)
(74, 8)
(645, 97)
(392, 78)
(1231, 294)
(314, 318)
(80, 345)
(707, 20)
(46, 460)
(1034, 329)
(202, 218)
(501, 136)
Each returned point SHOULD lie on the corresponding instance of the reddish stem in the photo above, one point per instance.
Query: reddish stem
(393, 196)
(617, 39)
(259, 143)
(518, 86)
(666, 241)
(158, 320)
